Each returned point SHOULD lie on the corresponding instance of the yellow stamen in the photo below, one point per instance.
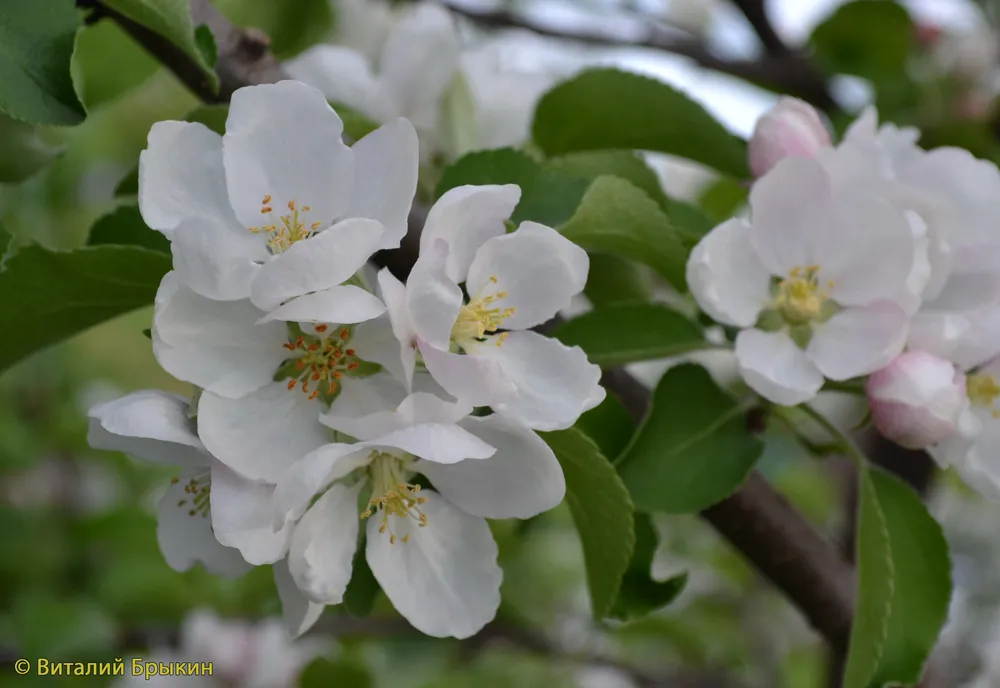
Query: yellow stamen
(983, 391)
(392, 495)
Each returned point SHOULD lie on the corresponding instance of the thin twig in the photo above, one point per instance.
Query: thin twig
(781, 71)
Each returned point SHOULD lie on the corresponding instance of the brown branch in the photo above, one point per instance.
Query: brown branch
(782, 71)
(756, 13)
(756, 520)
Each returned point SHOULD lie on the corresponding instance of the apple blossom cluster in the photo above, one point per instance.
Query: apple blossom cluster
(869, 262)
(333, 407)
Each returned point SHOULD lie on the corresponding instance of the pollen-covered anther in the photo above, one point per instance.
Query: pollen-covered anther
(481, 316)
(287, 229)
(799, 299)
(321, 361)
(198, 501)
(393, 495)
(983, 391)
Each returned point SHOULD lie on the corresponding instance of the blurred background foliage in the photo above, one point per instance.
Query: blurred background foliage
(81, 577)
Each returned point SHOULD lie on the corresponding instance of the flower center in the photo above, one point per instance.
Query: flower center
(480, 317)
(285, 230)
(800, 300)
(392, 495)
(983, 390)
(199, 489)
(318, 362)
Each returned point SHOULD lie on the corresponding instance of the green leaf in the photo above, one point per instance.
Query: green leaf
(602, 511)
(22, 152)
(124, 226)
(609, 425)
(869, 38)
(546, 196)
(617, 217)
(693, 448)
(48, 296)
(626, 164)
(608, 108)
(172, 20)
(690, 221)
(640, 594)
(919, 584)
(36, 47)
(875, 583)
(205, 40)
(615, 335)
(721, 200)
(612, 280)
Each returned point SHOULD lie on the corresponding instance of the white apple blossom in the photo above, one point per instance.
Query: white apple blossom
(810, 280)
(430, 549)
(278, 207)
(265, 382)
(416, 66)
(972, 450)
(513, 282)
(209, 514)
(955, 196)
(917, 400)
(790, 128)
(242, 654)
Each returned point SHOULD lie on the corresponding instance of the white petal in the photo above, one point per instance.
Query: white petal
(726, 278)
(181, 177)
(216, 261)
(445, 579)
(859, 341)
(776, 368)
(438, 442)
(868, 250)
(982, 342)
(343, 75)
(323, 545)
(216, 345)
(260, 435)
(298, 612)
(938, 333)
(473, 379)
(538, 268)
(242, 513)
(419, 60)
(310, 475)
(522, 479)
(386, 163)
(555, 383)
(186, 540)
(974, 281)
(433, 300)
(372, 410)
(341, 305)
(320, 262)
(789, 209)
(283, 140)
(375, 341)
(465, 218)
(150, 424)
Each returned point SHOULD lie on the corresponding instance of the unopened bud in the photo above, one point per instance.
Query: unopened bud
(917, 400)
(790, 128)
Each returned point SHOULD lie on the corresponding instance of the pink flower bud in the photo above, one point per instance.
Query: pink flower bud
(790, 128)
(916, 400)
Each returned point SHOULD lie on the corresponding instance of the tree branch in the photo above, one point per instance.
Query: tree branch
(756, 13)
(756, 520)
(781, 70)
